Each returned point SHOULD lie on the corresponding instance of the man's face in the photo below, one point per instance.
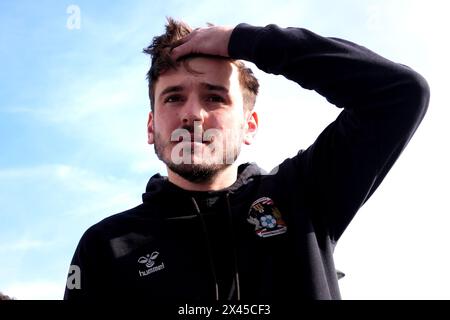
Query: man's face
(199, 122)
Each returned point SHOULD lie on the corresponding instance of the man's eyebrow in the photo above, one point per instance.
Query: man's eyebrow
(206, 85)
(171, 89)
(214, 87)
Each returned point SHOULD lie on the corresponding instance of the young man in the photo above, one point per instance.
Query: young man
(214, 231)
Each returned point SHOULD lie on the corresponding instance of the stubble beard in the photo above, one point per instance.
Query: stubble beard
(202, 172)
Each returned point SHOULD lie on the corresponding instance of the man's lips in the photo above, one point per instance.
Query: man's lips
(194, 139)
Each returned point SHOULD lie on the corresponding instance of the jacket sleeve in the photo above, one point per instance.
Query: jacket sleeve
(383, 103)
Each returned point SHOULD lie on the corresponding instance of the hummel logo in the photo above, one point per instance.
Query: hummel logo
(149, 261)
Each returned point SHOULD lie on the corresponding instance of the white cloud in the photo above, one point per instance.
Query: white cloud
(72, 181)
(23, 244)
(74, 177)
(35, 290)
(220, 12)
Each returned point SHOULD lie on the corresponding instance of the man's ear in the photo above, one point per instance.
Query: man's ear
(150, 129)
(251, 127)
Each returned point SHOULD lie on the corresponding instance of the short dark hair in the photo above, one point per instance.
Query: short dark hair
(159, 50)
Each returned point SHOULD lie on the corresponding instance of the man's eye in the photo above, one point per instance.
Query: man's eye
(173, 98)
(215, 98)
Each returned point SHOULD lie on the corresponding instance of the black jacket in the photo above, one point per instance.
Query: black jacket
(268, 236)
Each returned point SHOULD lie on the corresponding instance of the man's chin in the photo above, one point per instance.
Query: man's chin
(197, 173)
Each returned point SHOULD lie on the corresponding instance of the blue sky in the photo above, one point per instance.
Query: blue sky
(73, 112)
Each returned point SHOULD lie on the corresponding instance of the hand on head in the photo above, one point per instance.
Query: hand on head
(212, 40)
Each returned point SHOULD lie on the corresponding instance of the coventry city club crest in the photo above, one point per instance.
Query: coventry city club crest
(266, 218)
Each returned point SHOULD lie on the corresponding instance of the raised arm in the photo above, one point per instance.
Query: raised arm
(383, 103)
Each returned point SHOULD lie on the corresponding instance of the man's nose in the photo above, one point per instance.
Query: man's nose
(192, 111)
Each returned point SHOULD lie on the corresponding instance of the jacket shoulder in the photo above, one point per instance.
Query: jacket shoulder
(119, 223)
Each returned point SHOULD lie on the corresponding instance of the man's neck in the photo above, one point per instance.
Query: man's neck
(222, 180)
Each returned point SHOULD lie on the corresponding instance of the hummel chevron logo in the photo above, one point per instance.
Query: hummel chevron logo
(149, 261)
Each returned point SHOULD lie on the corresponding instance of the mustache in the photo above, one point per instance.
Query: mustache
(195, 133)
(191, 129)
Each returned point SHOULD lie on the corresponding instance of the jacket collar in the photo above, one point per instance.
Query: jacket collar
(160, 188)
